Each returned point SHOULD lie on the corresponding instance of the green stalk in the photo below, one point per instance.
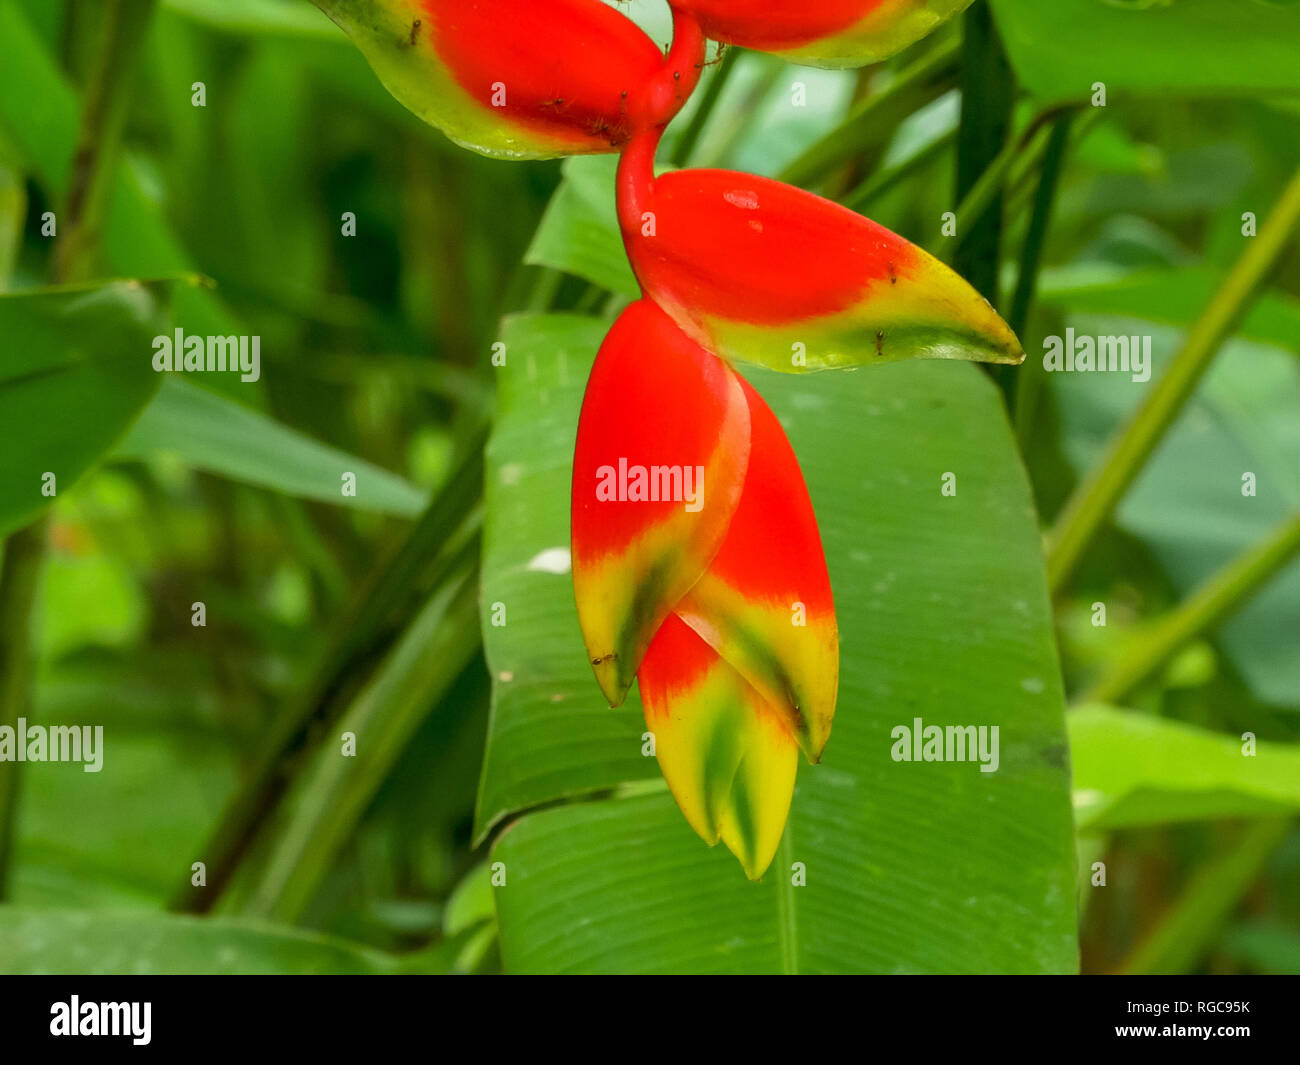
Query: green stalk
(983, 138)
(24, 554)
(1187, 931)
(883, 180)
(1031, 253)
(1029, 378)
(121, 34)
(93, 166)
(1098, 494)
(13, 216)
(875, 119)
(986, 191)
(336, 789)
(713, 87)
(1214, 601)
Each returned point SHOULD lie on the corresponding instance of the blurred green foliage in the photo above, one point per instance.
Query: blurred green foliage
(376, 352)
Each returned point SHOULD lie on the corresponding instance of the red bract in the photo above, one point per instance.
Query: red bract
(822, 32)
(523, 79)
(681, 476)
(772, 25)
(663, 442)
(561, 70)
(697, 562)
(762, 272)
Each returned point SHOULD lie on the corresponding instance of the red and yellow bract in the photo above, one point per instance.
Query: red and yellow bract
(697, 562)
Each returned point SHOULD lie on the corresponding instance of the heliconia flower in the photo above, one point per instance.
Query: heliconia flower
(759, 271)
(727, 755)
(832, 33)
(662, 448)
(681, 580)
(521, 79)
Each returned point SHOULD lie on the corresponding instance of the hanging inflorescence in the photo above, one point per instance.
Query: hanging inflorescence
(697, 564)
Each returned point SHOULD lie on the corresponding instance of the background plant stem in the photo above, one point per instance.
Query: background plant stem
(1177, 943)
(94, 160)
(24, 554)
(709, 95)
(378, 611)
(875, 118)
(1029, 376)
(334, 791)
(987, 93)
(1218, 598)
(1096, 497)
(93, 166)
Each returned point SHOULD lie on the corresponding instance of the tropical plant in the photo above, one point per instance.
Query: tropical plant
(325, 612)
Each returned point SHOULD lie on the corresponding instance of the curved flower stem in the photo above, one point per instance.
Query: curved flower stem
(1101, 490)
(636, 178)
(655, 106)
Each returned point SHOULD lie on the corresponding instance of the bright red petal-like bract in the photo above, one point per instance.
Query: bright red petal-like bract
(822, 32)
(662, 448)
(522, 79)
(763, 272)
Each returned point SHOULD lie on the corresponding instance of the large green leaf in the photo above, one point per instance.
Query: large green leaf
(1132, 769)
(551, 733)
(1059, 49)
(943, 616)
(85, 943)
(209, 432)
(77, 368)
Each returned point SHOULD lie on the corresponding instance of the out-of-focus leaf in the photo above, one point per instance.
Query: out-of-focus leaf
(1151, 47)
(89, 943)
(332, 794)
(76, 370)
(41, 111)
(154, 798)
(579, 231)
(1132, 769)
(471, 913)
(1189, 928)
(1269, 946)
(259, 18)
(1189, 504)
(544, 694)
(1172, 296)
(898, 857)
(212, 433)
